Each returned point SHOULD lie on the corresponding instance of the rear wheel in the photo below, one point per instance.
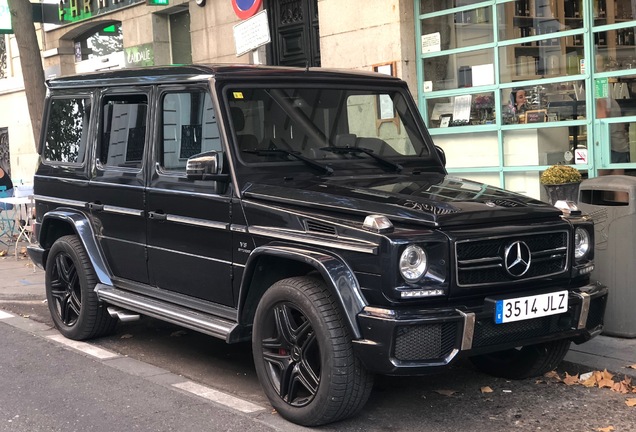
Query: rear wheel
(303, 354)
(523, 362)
(70, 292)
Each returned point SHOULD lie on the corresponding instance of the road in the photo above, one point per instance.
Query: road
(48, 386)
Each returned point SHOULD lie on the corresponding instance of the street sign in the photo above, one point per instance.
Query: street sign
(246, 8)
(251, 33)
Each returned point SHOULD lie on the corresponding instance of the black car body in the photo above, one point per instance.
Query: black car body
(307, 211)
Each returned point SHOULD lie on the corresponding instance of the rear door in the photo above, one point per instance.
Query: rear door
(188, 221)
(118, 185)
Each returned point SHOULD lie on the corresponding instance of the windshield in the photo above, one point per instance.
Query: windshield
(324, 125)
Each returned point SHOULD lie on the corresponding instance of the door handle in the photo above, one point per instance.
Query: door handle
(157, 216)
(95, 206)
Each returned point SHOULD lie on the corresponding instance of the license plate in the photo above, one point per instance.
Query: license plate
(523, 308)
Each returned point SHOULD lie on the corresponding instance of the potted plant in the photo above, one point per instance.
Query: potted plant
(561, 182)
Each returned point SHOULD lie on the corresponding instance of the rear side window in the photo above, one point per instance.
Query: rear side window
(123, 131)
(67, 130)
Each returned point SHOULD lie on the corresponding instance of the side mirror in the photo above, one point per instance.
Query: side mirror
(205, 166)
(441, 154)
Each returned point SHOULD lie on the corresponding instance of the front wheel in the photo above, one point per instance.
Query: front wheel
(304, 356)
(523, 362)
(70, 292)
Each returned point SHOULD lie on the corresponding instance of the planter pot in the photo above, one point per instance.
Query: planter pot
(565, 191)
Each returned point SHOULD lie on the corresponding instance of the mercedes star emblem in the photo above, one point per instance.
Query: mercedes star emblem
(517, 259)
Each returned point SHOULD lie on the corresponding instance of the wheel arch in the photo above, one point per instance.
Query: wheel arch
(292, 261)
(61, 222)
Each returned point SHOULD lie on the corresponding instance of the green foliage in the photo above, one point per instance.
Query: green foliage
(559, 174)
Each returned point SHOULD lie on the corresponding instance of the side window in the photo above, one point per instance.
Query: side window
(123, 131)
(67, 130)
(189, 126)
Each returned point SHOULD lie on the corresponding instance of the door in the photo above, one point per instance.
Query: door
(188, 221)
(117, 187)
(295, 33)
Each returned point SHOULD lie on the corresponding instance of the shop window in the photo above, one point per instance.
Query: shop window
(429, 6)
(462, 110)
(66, 142)
(544, 58)
(458, 30)
(525, 18)
(615, 49)
(466, 69)
(100, 42)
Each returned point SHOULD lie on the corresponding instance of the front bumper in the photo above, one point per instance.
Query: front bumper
(407, 342)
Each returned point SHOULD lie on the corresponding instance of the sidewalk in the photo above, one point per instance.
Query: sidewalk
(22, 286)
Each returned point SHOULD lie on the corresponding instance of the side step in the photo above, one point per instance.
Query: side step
(204, 323)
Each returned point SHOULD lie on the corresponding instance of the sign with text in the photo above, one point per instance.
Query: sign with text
(5, 17)
(251, 33)
(140, 55)
(70, 11)
(536, 116)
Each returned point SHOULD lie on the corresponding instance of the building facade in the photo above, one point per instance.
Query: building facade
(463, 59)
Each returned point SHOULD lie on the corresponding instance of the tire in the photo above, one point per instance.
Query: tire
(304, 356)
(523, 362)
(70, 292)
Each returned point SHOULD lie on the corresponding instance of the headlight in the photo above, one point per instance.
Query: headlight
(581, 243)
(413, 263)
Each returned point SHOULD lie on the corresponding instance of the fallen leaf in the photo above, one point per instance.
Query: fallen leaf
(126, 336)
(553, 375)
(446, 392)
(621, 388)
(606, 429)
(4, 253)
(629, 367)
(571, 379)
(606, 383)
(631, 402)
(486, 389)
(607, 375)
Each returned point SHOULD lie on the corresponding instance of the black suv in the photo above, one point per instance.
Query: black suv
(305, 210)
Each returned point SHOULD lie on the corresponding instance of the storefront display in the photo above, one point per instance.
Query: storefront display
(478, 59)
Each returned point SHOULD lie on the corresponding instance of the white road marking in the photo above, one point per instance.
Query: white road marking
(219, 397)
(84, 347)
(5, 315)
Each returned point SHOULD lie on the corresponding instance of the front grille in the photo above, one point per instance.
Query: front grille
(425, 342)
(487, 333)
(482, 261)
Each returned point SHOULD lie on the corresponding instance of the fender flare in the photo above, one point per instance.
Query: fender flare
(81, 224)
(340, 279)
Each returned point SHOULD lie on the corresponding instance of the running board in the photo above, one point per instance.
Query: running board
(213, 326)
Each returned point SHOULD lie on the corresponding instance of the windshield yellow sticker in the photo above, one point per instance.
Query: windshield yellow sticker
(237, 95)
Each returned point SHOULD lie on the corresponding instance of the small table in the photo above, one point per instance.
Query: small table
(24, 231)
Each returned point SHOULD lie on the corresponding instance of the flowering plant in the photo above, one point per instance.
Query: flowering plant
(484, 102)
(559, 174)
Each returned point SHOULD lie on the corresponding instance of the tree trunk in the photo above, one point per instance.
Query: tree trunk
(30, 60)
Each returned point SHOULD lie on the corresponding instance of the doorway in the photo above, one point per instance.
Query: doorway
(295, 33)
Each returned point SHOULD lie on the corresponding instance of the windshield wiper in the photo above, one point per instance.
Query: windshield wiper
(265, 152)
(396, 166)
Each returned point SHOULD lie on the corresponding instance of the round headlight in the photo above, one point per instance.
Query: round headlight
(413, 263)
(581, 243)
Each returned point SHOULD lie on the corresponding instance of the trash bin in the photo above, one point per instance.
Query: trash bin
(611, 202)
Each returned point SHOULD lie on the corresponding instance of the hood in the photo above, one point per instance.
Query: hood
(432, 199)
